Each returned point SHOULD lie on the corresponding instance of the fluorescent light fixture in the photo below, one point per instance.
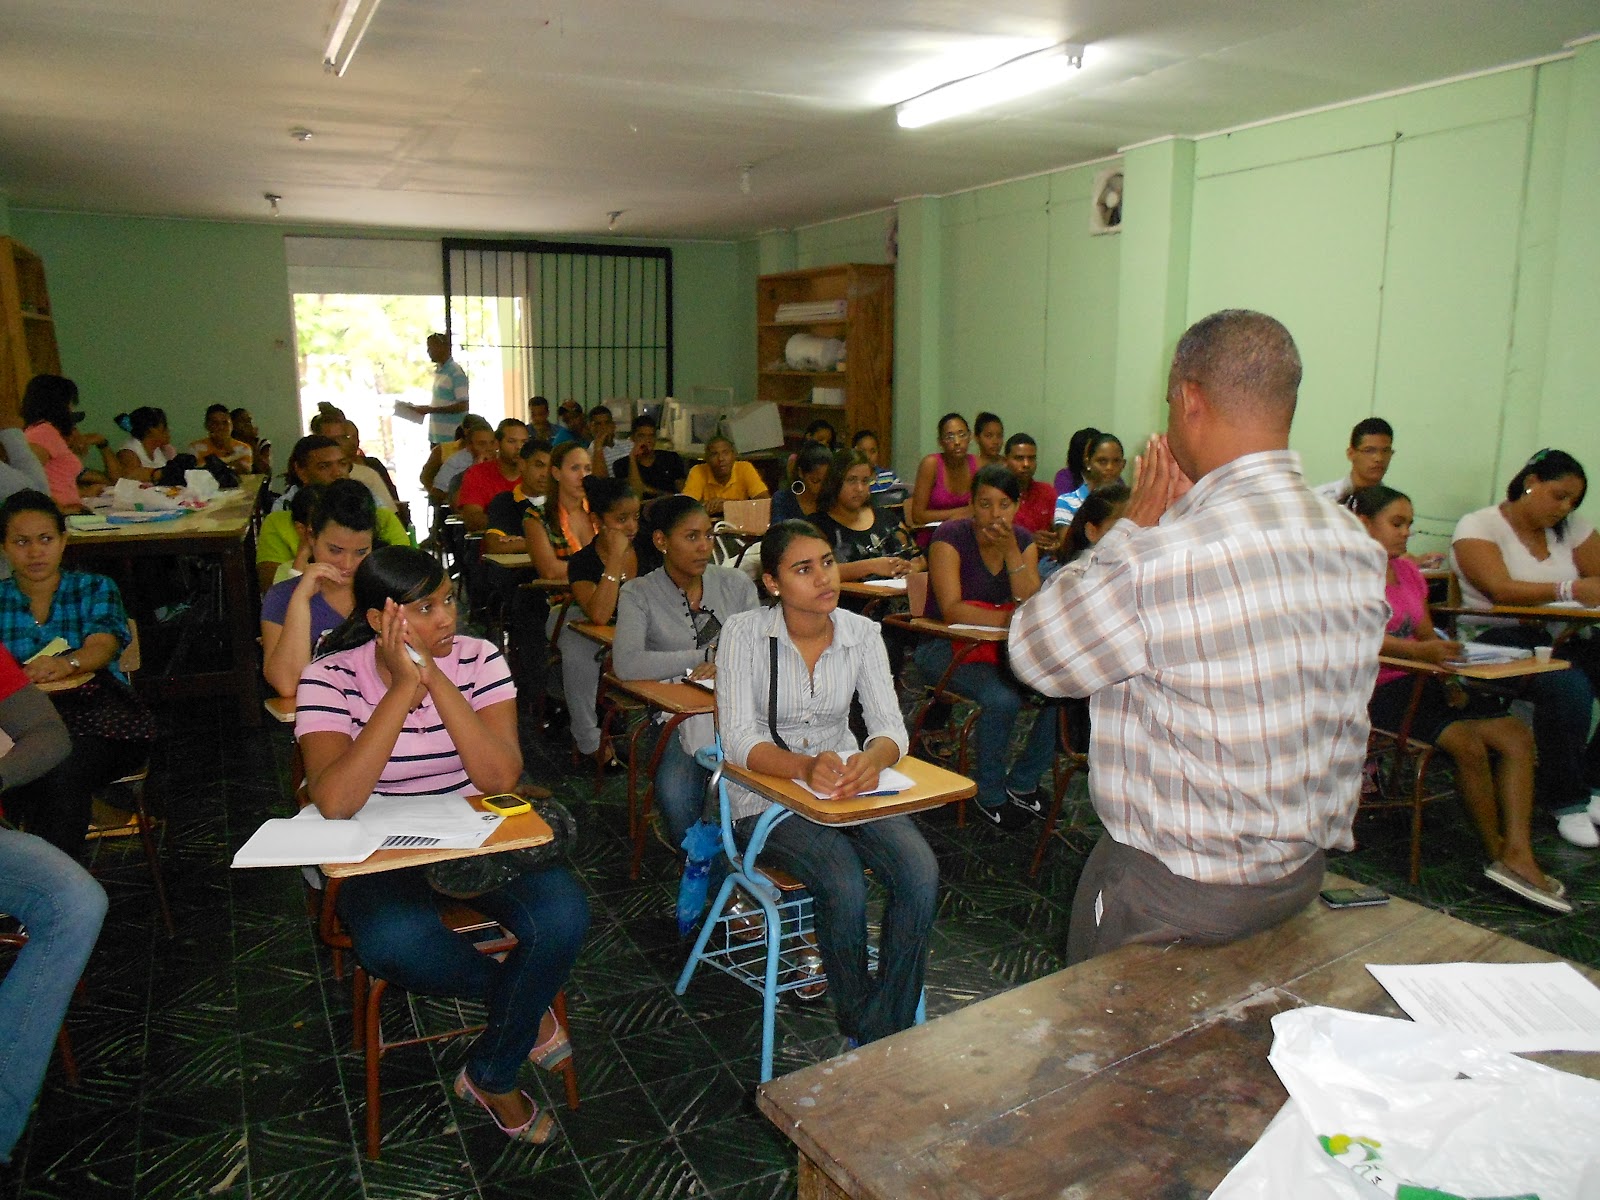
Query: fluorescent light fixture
(1019, 77)
(349, 27)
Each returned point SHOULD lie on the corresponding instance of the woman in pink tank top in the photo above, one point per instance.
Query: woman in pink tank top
(943, 490)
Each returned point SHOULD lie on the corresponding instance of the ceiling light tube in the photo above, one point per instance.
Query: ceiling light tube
(349, 27)
(1019, 77)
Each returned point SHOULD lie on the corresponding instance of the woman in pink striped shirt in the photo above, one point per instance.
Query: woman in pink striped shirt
(399, 704)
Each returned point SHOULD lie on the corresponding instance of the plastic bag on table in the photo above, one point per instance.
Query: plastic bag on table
(1381, 1107)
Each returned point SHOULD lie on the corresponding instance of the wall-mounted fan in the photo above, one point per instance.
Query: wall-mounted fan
(1105, 213)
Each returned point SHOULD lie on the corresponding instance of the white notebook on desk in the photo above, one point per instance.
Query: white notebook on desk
(402, 823)
(890, 783)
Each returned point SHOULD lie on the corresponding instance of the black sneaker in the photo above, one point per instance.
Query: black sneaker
(1029, 802)
(1005, 817)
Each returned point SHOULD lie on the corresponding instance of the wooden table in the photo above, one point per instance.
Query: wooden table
(1500, 670)
(1140, 1073)
(679, 701)
(224, 531)
(932, 785)
(515, 833)
(600, 635)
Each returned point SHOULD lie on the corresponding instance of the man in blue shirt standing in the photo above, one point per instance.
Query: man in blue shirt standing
(449, 393)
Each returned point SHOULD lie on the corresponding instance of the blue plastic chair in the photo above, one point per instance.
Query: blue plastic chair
(771, 965)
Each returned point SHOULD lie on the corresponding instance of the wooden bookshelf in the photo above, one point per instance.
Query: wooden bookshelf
(867, 330)
(28, 338)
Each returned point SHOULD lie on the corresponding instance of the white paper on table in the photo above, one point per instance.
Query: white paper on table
(890, 783)
(448, 819)
(1488, 652)
(51, 648)
(710, 685)
(305, 839)
(979, 628)
(1517, 1007)
(898, 585)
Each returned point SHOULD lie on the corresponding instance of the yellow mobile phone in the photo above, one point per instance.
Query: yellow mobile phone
(507, 804)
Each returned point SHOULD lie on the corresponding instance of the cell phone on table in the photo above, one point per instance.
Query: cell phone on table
(507, 804)
(1354, 897)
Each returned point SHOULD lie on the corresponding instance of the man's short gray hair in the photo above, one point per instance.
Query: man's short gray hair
(1242, 359)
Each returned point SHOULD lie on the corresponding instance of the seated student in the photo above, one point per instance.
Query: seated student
(315, 459)
(573, 428)
(668, 621)
(1103, 462)
(722, 477)
(483, 481)
(979, 568)
(149, 448)
(943, 488)
(604, 448)
(244, 428)
(867, 542)
(220, 444)
(1036, 509)
(989, 432)
(1493, 752)
(111, 728)
(783, 702)
(649, 472)
(449, 460)
(50, 895)
(1535, 549)
(597, 573)
(374, 722)
(884, 480)
(508, 511)
(50, 424)
(1070, 477)
(1100, 510)
(369, 472)
(1370, 452)
(564, 525)
(823, 434)
(803, 496)
(295, 613)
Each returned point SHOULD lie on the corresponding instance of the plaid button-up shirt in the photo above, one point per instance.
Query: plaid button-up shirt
(1229, 654)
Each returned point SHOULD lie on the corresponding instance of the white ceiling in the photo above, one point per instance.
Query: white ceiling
(542, 116)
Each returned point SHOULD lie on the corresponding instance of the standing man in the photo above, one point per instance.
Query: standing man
(1226, 633)
(483, 481)
(449, 392)
(1370, 452)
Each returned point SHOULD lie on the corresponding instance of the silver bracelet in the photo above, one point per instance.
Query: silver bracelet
(1015, 569)
(1564, 590)
(619, 580)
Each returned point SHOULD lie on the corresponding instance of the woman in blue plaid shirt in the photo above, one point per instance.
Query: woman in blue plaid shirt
(111, 730)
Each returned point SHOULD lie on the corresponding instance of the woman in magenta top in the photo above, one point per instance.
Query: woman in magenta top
(1493, 752)
(943, 488)
(400, 705)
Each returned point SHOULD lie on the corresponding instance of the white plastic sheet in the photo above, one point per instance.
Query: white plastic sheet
(1381, 1107)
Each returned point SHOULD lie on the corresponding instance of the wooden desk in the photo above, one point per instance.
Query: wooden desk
(68, 684)
(1524, 612)
(600, 635)
(511, 562)
(876, 592)
(1502, 670)
(1140, 1073)
(931, 786)
(224, 531)
(514, 833)
(679, 701)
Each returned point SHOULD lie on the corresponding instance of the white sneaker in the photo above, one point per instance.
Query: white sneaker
(1578, 829)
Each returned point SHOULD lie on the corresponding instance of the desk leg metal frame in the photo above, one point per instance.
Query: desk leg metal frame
(639, 818)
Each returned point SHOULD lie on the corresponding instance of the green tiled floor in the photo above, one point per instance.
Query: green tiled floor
(219, 1063)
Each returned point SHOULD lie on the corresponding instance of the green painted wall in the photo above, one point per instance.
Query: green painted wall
(5, 217)
(183, 314)
(860, 239)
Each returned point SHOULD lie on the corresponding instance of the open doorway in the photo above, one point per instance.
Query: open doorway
(363, 353)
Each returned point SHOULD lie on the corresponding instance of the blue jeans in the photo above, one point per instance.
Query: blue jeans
(1563, 704)
(61, 907)
(999, 697)
(680, 789)
(830, 860)
(393, 918)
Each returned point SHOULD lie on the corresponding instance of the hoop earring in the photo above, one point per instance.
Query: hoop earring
(798, 487)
